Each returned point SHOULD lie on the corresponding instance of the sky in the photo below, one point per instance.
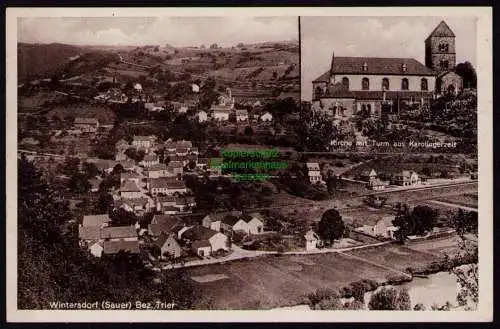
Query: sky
(375, 37)
(176, 31)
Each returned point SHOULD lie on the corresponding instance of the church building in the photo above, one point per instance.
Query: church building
(355, 84)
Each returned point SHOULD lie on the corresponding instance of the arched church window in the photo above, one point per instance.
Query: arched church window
(369, 108)
(423, 84)
(365, 67)
(365, 84)
(334, 110)
(404, 84)
(345, 82)
(385, 84)
(443, 47)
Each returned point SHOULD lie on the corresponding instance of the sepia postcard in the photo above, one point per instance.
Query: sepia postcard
(249, 164)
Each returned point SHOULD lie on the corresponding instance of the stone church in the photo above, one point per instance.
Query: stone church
(356, 84)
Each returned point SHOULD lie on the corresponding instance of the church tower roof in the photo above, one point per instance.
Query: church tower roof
(442, 30)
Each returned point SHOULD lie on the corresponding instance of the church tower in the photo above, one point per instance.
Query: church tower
(440, 54)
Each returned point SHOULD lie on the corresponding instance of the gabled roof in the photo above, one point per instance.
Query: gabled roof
(199, 233)
(118, 232)
(376, 65)
(164, 224)
(325, 77)
(200, 244)
(163, 239)
(442, 30)
(248, 217)
(113, 247)
(312, 166)
(230, 220)
(164, 182)
(311, 235)
(95, 220)
(89, 232)
(129, 186)
(241, 112)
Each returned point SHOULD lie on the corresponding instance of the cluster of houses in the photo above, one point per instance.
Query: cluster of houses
(314, 173)
(402, 178)
(168, 236)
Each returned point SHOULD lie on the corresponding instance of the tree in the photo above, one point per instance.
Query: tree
(468, 74)
(121, 217)
(104, 203)
(118, 169)
(331, 226)
(248, 131)
(424, 219)
(419, 307)
(403, 222)
(214, 46)
(78, 183)
(389, 298)
(465, 222)
(71, 166)
(90, 169)
(240, 45)
(134, 154)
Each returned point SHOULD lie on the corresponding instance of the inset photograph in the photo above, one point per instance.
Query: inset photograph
(392, 84)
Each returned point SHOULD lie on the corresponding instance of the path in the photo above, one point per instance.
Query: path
(239, 253)
(452, 205)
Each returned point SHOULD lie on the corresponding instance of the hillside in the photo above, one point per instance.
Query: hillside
(40, 60)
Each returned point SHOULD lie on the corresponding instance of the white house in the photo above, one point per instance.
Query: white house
(221, 115)
(314, 173)
(266, 117)
(166, 186)
(96, 249)
(144, 141)
(149, 160)
(241, 115)
(200, 235)
(255, 223)
(312, 240)
(202, 116)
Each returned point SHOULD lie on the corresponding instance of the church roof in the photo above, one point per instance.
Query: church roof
(442, 30)
(325, 77)
(376, 65)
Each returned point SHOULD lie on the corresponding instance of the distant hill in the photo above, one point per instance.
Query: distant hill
(39, 60)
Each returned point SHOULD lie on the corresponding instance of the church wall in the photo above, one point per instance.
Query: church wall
(451, 79)
(322, 85)
(394, 82)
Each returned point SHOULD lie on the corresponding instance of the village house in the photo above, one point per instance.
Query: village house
(314, 173)
(213, 221)
(165, 201)
(132, 176)
(266, 117)
(220, 114)
(241, 115)
(87, 235)
(96, 248)
(377, 185)
(145, 142)
(94, 184)
(167, 186)
(149, 160)
(168, 246)
(86, 125)
(205, 241)
(127, 165)
(368, 175)
(382, 228)
(202, 116)
(137, 206)
(406, 178)
(164, 224)
(181, 152)
(177, 167)
(312, 240)
(255, 223)
(114, 247)
(157, 171)
(130, 190)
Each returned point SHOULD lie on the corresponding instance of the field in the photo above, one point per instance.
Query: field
(439, 246)
(269, 282)
(467, 199)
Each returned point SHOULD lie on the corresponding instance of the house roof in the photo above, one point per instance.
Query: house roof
(150, 157)
(90, 121)
(230, 219)
(442, 30)
(375, 65)
(129, 186)
(368, 172)
(132, 202)
(163, 239)
(95, 220)
(126, 164)
(164, 224)
(200, 244)
(118, 232)
(199, 233)
(248, 217)
(164, 182)
(312, 166)
(157, 167)
(168, 198)
(89, 232)
(311, 235)
(150, 138)
(113, 247)
(129, 175)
